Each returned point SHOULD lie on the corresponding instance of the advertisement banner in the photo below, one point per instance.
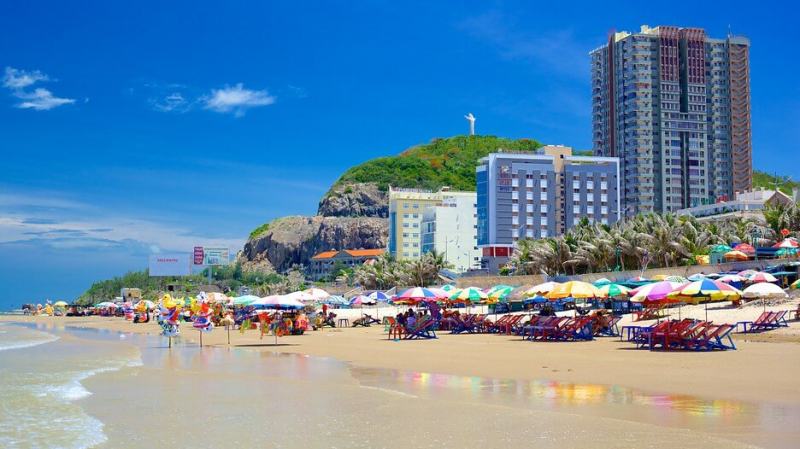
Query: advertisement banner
(177, 264)
(199, 255)
(216, 256)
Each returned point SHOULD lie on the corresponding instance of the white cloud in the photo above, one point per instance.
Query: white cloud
(174, 102)
(18, 79)
(237, 99)
(39, 99)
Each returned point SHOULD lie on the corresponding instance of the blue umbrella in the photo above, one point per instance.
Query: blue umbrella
(380, 296)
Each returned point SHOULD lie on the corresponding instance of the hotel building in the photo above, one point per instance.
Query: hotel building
(450, 229)
(532, 196)
(406, 208)
(674, 106)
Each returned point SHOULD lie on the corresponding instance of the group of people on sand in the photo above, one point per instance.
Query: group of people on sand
(38, 309)
(409, 318)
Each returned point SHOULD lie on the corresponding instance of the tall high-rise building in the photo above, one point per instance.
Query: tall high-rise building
(674, 106)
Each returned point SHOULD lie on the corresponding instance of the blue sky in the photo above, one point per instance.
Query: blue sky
(131, 128)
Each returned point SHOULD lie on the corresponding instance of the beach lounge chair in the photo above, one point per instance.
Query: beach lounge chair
(711, 337)
(549, 329)
(766, 321)
(649, 313)
(579, 328)
(424, 328)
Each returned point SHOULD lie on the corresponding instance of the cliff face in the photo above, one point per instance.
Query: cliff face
(294, 240)
(355, 200)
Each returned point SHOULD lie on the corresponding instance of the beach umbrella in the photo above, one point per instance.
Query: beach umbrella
(335, 300)
(414, 295)
(449, 288)
(614, 291)
(499, 293)
(720, 249)
(660, 277)
(543, 289)
(698, 277)
(574, 289)
(317, 294)
(106, 305)
(362, 300)
(764, 290)
(709, 289)
(795, 284)
(638, 279)
(218, 297)
(745, 248)
(440, 293)
(746, 273)
(469, 294)
(736, 255)
(678, 279)
(731, 278)
(786, 252)
(535, 300)
(656, 291)
(245, 300)
(787, 243)
(601, 281)
(761, 277)
(147, 303)
(380, 296)
(60, 304)
(283, 302)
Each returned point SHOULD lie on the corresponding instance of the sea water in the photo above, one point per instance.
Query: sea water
(41, 388)
(71, 387)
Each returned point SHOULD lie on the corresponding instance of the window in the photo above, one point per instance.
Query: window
(543, 208)
(415, 206)
(415, 216)
(603, 185)
(543, 221)
(405, 225)
(543, 196)
(603, 198)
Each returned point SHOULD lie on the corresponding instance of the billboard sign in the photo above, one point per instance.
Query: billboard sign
(198, 255)
(177, 264)
(216, 256)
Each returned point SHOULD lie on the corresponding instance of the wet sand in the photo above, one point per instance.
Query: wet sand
(757, 371)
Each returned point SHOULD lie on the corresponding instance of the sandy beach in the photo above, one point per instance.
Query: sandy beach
(765, 367)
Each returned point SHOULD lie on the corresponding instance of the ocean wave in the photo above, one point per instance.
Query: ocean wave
(19, 344)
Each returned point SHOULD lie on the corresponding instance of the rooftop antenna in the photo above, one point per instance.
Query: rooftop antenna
(471, 119)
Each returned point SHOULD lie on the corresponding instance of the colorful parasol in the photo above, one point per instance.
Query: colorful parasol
(764, 290)
(614, 291)
(657, 291)
(469, 294)
(542, 289)
(575, 289)
(761, 277)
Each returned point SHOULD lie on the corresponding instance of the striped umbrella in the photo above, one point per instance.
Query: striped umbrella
(761, 277)
(379, 296)
(614, 291)
(731, 278)
(414, 295)
(795, 284)
(499, 293)
(708, 289)
(469, 294)
(655, 292)
(362, 300)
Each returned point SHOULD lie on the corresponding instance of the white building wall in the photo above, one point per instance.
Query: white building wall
(452, 228)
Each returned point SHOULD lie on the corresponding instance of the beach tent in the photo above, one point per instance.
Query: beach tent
(575, 289)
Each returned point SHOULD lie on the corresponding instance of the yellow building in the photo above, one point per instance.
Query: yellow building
(406, 207)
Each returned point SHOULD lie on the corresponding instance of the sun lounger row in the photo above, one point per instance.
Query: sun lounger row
(423, 328)
(765, 322)
(684, 334)
(558, 329)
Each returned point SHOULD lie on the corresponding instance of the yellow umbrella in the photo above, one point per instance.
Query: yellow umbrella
(575, 289)
(542, 289)
(60, 304)
(736, 255)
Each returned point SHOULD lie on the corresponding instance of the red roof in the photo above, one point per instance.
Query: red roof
(365, 252)
(325, 255)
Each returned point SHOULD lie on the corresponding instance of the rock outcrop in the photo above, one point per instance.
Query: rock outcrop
(355, 200)
(291, 241)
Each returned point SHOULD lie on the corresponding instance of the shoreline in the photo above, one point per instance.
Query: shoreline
(760, 371)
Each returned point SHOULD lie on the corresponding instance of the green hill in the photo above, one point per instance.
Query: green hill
(768, 181)
(442, 162)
